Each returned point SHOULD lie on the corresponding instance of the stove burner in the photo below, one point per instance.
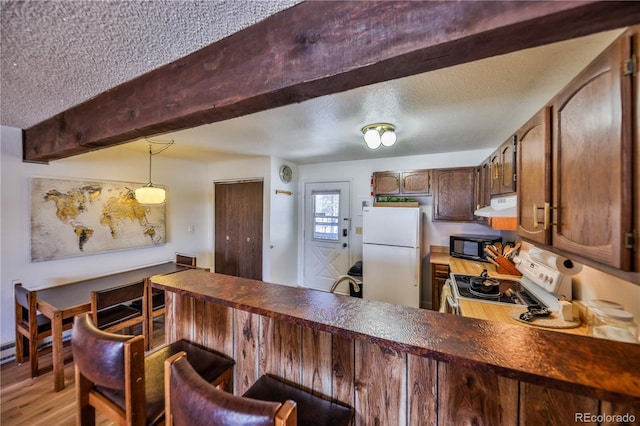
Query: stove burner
(489, 296)
(484, 286)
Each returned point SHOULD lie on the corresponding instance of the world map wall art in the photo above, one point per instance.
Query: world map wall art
(75, 218)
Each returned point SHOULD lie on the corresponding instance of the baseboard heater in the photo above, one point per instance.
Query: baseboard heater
(8, 351)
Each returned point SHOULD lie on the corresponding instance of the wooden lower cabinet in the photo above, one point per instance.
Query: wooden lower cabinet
(439, 275)
(385, 386)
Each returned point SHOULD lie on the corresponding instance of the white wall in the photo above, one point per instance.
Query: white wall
(187, 204)
(592, 284)
(279, 212)
(360, 172)
(283, 245)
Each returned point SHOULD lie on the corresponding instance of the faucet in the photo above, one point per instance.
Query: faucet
(349, 278)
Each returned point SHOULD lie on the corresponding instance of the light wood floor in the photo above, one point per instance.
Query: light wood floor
(27, 401)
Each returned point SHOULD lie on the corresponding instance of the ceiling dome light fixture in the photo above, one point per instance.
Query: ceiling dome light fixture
(377, 134)
(149, 194)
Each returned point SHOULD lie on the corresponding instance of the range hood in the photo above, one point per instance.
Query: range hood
(500, 207)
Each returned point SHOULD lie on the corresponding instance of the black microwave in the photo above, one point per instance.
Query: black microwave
(471, 246)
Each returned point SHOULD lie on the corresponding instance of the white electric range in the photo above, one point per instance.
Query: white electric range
(540, 286)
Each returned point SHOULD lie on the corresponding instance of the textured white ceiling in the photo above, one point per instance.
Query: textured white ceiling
(56, 54)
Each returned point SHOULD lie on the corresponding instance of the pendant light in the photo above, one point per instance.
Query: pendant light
(149, 194)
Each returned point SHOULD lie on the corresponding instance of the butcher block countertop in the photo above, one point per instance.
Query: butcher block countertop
(602, 369)
(463, 266)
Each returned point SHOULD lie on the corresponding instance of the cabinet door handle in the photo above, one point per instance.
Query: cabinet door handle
(495, 170)
(492, 174)
(547, 213)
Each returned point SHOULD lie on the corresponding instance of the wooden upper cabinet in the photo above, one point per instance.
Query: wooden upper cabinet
(454, 194)
(386, 183)
(494, 168)
(534, 177)
(416, 182)
(411, 182)
(592, 161)
(503, 168)
(508, 166)
(483, 188)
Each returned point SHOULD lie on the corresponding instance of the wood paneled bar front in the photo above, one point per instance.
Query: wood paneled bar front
(398, 365)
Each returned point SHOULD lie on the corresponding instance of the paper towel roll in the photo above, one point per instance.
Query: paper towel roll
(562, 264)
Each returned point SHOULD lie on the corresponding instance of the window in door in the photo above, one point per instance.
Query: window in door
(326, 215)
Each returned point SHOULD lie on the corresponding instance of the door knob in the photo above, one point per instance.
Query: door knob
(227, 238)
(344, 245)
(248, 239)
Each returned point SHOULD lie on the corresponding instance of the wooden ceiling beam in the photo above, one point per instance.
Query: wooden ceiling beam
(310, 50)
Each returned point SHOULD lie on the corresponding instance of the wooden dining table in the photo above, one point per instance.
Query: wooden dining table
(68, 300)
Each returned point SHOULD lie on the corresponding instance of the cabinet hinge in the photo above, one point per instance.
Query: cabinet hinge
(630, 66)
(630, 240)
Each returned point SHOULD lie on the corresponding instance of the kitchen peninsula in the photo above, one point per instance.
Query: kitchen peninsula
(398, 365)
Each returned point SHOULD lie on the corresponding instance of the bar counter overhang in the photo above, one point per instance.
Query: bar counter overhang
(398, 365)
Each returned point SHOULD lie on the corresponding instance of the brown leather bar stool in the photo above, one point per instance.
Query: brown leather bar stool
(114, 376)
(191, 401)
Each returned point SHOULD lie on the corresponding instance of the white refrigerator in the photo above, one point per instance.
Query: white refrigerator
(391, 255)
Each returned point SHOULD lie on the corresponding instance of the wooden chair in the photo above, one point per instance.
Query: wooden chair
(114, 376)
(155, 297)
(186, 260)
(31, 326)
(189, 400)
(152, 305)
(112, 311)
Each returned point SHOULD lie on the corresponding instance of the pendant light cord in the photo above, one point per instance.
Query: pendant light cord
(151, 153)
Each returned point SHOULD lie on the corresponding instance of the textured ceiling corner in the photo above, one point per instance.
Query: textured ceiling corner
(56, 54)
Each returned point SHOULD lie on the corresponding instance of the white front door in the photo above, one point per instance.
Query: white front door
(327, 233)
